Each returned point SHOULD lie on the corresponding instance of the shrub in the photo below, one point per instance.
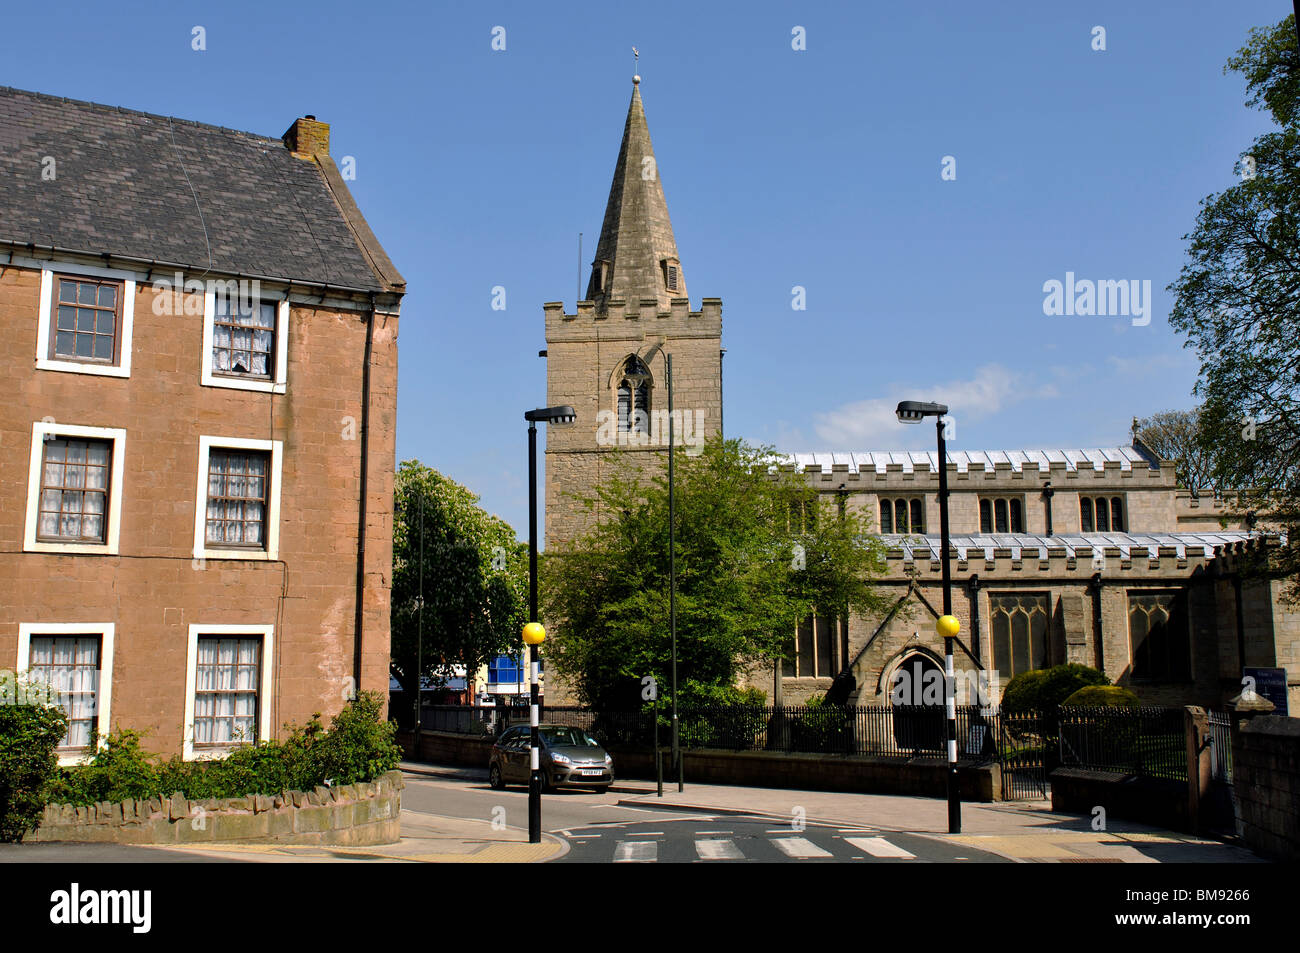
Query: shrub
(30, 731)
(1043, 690)
(1103, 696)
(357, 747)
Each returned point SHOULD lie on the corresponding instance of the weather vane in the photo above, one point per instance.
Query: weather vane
(636, 59)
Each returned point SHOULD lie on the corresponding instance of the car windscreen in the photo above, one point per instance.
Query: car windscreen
(568, 737)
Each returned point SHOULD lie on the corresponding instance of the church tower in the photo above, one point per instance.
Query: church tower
(609, 360)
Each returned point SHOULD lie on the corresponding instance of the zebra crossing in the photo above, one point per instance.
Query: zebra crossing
(635, 848)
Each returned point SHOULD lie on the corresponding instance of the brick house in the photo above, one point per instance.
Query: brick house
(1094, 556)
(197, 441)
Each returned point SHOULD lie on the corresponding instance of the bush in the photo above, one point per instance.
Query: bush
(30, 732)
(1103, 696)
(357, 747)
(1042, 690)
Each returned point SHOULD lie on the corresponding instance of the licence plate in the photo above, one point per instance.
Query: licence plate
(591, 772)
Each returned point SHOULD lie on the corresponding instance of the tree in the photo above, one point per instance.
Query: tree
(475, 578)
(1176, 435)
(757, 551)
(1237, 299)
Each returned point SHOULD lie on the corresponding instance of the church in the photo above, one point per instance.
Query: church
(1087, 555)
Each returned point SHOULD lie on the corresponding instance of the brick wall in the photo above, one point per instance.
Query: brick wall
(153, 590)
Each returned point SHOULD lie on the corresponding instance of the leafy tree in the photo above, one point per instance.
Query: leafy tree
(757, 550)
(1238, 299)
(475, 572)
(1176, 435)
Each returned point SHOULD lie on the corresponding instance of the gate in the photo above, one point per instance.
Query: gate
(1023, 747)
(1219, 811)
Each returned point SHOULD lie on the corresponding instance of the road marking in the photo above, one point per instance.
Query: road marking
(879, 847)
(799, 847)
(718, 850)
(856, 830)
(644, 833)
(702, 833)
(641, 851)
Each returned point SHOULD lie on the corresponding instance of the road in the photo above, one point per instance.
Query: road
(600, 830)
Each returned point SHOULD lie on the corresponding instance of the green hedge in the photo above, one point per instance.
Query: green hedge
(1103, 696)
(1043, 690)
(357, 747)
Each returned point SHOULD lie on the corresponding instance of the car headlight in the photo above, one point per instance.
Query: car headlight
(560, 759)
(608, 760)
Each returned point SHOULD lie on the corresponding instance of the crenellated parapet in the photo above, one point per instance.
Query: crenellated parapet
(633, 319)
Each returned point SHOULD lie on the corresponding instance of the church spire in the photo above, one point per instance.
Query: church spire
(636, 256)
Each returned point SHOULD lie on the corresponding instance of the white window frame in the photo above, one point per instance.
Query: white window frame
(267, 632)
(103, 692)
(202, 549)
(43, 361)
(42, 429)
(278, 384)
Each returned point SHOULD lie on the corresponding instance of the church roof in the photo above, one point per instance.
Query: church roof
(1076, 545)
(636, 237)
(965, 460)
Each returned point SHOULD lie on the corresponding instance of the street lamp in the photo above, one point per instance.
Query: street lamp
(913, 412)
(534, 634)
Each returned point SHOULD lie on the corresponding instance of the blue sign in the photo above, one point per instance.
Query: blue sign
(1271, 683)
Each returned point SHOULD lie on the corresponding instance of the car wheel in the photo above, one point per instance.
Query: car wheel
(495, 781)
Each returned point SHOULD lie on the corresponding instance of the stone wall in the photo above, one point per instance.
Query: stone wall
(349, 814)
(1266, 783)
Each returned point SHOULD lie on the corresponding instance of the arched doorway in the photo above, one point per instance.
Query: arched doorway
(916, 695)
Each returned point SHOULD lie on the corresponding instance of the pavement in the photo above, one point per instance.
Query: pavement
(1024, 831)
(426, 839)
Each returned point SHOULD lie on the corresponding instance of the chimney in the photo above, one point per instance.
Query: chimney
(307, 137)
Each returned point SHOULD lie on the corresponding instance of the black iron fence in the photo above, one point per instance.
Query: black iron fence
(1149, 742)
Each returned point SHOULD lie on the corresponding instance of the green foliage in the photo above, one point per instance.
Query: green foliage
(1043, 690)
(1103, 696)
(1237, 297)
(742, 586)
(357, 747)
(29, 736)
(475, 590)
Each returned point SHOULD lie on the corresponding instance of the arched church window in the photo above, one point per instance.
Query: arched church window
(634, 397)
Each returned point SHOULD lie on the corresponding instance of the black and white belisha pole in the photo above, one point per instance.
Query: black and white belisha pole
(948, 626)
(534, 633)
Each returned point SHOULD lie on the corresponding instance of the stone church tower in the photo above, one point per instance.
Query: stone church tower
(609, 360)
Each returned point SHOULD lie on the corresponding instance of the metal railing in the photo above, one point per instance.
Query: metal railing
(1148, 742)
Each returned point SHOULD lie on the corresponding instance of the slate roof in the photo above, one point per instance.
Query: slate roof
(965, 460)
(142, 186)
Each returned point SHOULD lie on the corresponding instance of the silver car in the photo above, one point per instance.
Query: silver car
(569, 758)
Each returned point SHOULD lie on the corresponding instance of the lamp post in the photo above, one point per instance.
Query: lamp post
(913, 412)
(672, 565)
(534, 633)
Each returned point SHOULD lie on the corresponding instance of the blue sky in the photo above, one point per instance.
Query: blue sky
(819, 168)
